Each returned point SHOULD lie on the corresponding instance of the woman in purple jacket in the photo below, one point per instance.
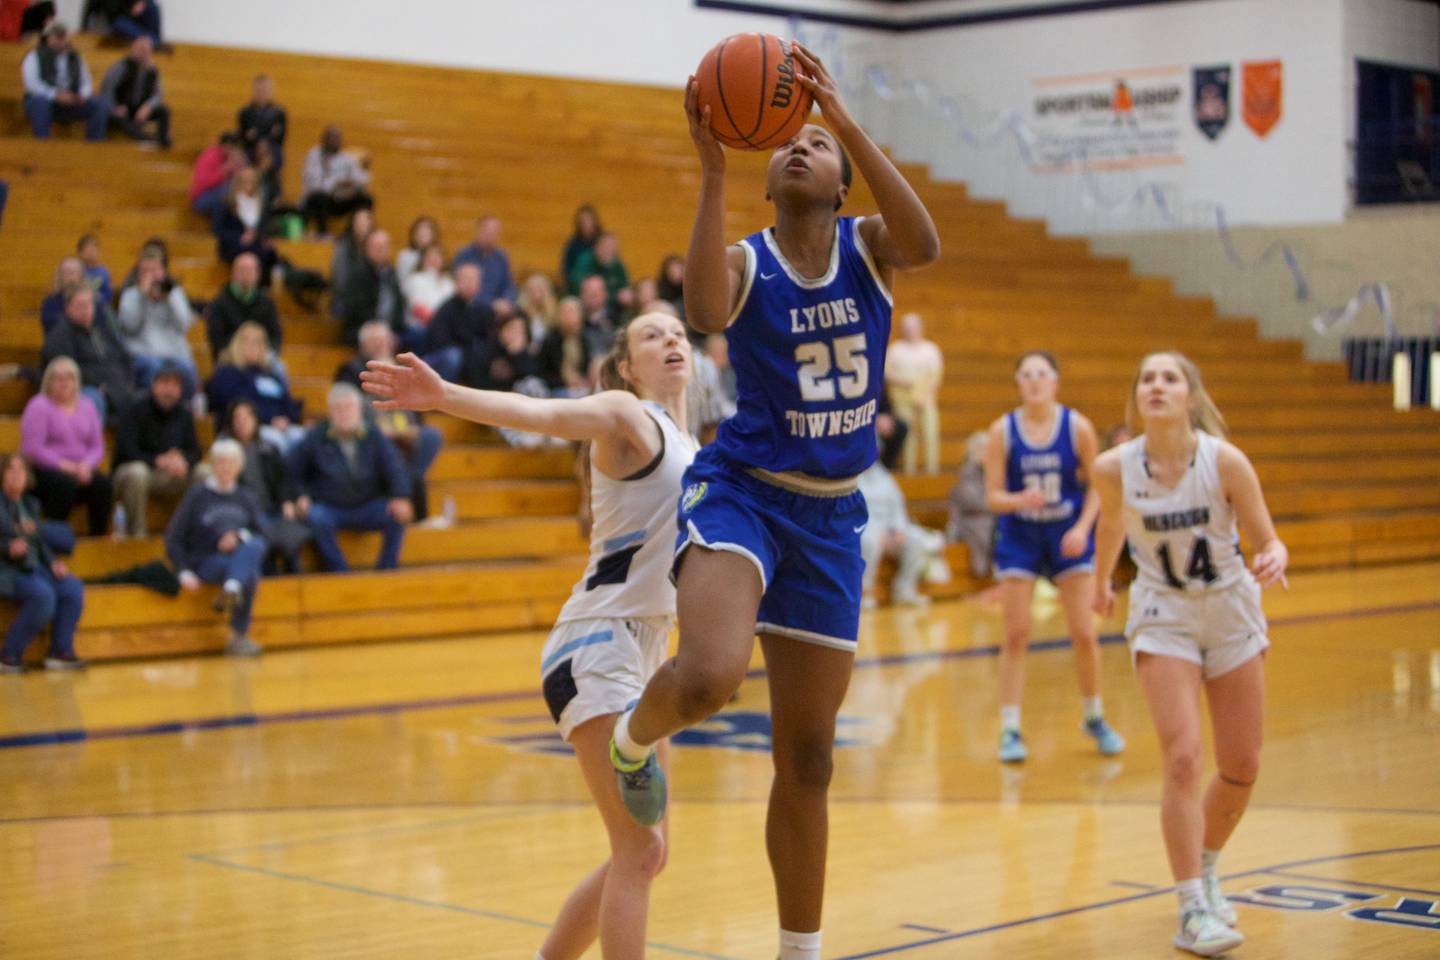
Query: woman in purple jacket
(61, 436)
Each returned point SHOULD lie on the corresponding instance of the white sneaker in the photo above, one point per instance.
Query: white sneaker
(1216, 901)
(1203, 934)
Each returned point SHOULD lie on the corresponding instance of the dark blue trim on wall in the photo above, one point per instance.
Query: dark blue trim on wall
(938, 22)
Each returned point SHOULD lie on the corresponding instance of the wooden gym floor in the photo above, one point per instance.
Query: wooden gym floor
(411, 800)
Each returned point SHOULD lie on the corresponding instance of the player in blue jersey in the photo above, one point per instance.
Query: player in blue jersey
(1037, 468)
(770, 517)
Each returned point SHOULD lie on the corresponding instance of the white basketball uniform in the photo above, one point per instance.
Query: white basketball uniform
(1193, 597)
(613, 633)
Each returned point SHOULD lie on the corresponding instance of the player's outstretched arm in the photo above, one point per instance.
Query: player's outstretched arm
(1242, 489)
(1110, 528)
(903, 237)
(712, 273)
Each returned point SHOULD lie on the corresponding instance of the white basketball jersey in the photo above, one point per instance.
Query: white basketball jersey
(632, 537)
(1182, 538)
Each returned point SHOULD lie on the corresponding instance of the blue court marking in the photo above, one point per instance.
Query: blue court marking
(1351, 882)
(922, 928)
(570, 646)
(418, 902)
(1105, 904)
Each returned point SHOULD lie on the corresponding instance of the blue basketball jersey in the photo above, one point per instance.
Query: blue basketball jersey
(809, 360)
(1053, 468)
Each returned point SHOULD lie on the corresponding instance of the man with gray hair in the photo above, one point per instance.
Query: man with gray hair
(352, 478)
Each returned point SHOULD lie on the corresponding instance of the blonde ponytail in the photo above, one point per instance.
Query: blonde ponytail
(1204, 414)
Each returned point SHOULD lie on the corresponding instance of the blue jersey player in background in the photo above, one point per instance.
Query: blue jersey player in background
(770, 517)
(1037, 468)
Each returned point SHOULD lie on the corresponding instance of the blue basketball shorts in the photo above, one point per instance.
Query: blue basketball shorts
(1028, 549)
(805, 548)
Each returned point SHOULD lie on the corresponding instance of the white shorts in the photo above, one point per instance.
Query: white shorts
(590, 668)
(1218, 630)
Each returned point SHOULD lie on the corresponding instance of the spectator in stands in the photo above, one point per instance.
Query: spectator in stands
(241, 301)
(1117, 435)
(890, 532)
(426, 287)
(241, 227)
(497, 284)
(154, 320)
(644, 293)
(137, 18)
(891, 431)
(217, 535)
(263, 120)
(351, 478)
(603, 260)
(418, 443)
(537, 304)
(154, 247)
(971, 521)
(600, 321)
(34, 576)
(89, 338)
(96, 273)
(58, 87)
(19, 17)
(131, 92)
(564, 358)
(670, 282)
(245, 370)
(62, 437)
(211, 178)
(349, 254)
(155, 448)
(424, 234)
(371, 291)
(914, 368)
(717, 348)
(586, 230)
(334, 182)
(69, 275)
(267, 476)
(504, 360)
(459, 326)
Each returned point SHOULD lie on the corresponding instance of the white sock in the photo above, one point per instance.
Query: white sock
(1208, 860)
(1191, 894)
(233, 586)
(626, 747)
(1094, 707)
(1010, 718)
(799, 946)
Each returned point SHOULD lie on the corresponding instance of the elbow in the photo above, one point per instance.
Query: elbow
(928, 250)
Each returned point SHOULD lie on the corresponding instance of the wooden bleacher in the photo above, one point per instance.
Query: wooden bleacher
(1349, 480)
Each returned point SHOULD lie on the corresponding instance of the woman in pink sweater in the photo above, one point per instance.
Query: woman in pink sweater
(61, 436)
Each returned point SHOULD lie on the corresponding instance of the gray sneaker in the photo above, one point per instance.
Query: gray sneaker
(642, 787)
(242, 646)
(67, 662)
(11, 666)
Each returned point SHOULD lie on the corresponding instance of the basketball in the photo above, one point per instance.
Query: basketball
(748, 82)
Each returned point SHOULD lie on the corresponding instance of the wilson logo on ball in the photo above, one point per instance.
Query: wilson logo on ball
(749, 83)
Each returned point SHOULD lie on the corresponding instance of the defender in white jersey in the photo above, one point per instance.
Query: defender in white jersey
(1176, 493)
(612, 634)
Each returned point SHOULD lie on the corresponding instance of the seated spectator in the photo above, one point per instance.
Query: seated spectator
(154, 247)
(155, 448)
(61, 436)
(334, 182)
(914, 369)
(603, 261)
(351, 477)
(58, 87)
(19, 17)
(425, 289)
(971, 521)
(241, 226)
(418, 443)
(211, 179)
(69, 275)
(497, 284)
(131, 91)
(89, 338)
(262, 120)
(891, 431)
(371, 291)
(154, 320)
(717, 348)
(424, 234)
(1117, 435)
(891, 533)
(33, 575)
(133, 19)
(349, 254)
(217, 535)
(670, 282)
(563, 361)
(459, 325)
(600, 321)
(504, 360)
(96, 273)
(245, 370)
(537, 304)
(643, 294)
(586, 230)
(239, 302)
(267, 476)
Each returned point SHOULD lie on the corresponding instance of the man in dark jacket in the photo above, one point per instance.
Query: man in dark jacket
(459, 324)
(263, 119)
(371, 291)
(87, 336)
(155, 448)
(33, 574)
(241, 301)
(131, 92)
(353, 478)
(58, 87)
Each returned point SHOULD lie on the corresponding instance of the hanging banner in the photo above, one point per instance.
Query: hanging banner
(1263, 95)
(1107, 120)
(1212, 99)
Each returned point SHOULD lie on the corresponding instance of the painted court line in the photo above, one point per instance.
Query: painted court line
(1351, 882)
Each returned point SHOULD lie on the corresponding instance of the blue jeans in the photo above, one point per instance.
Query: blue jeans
(447, 362)
(211, 203)
(45, 600)
(146, 368)
(44, 113)
(145, 25)
(97, 397)
(242, 564)
(327, 519)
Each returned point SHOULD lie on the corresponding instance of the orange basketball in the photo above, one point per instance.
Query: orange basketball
(748, 82)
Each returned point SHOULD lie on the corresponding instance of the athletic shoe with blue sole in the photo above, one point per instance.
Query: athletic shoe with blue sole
(642, 787)
(1012, 747)
(1106, 739)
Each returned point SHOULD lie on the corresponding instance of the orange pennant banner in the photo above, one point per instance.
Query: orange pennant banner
(1262, 95)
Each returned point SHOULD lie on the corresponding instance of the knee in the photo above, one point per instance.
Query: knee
(1017, 637)
(1240, 770)
(39, 597)
(643, 856)
(807, 763)
(1183, 764)
(703, 690)
(321, 518)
